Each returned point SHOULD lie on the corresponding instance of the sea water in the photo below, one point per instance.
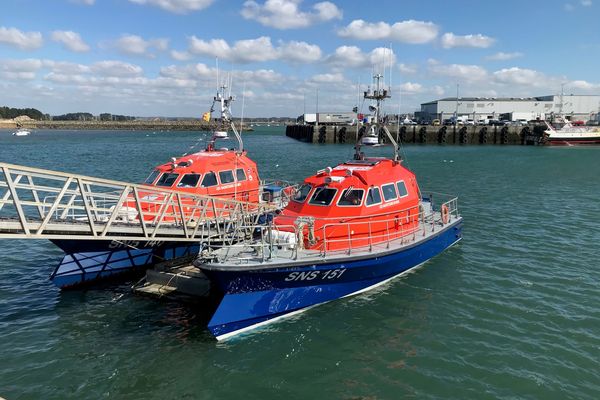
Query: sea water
(510, 312)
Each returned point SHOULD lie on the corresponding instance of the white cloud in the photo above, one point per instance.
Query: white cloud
(501, 56)
(586, 3)
(137, 46)
(407, 69)
(203, 72)
(84, 2)
(177, 6)
(569, 7)
(255, 50)
(71, 40)
(116, 69)
(450, 40)
(328, 78)
(193, 71)
(21, 40)
(461, 72)
(181, 55)
(353, 57)
(411, 31)
(411, 88)
(301, 52)
(520, 76)
(286, 14)
(65, 67)
(438, 90)
(583, 85)
(16, 70)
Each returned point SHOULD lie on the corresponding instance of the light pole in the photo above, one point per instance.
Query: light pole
(456, 111)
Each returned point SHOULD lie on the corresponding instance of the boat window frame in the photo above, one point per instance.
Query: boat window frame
(405, 188)
(307, 193)
(207, 174)
(362, 198)
(393, 185)
(189, 187)
(168, 173)
(232, 177)
(158, 173)
(314, 192)
(237, 178)
(367, 197)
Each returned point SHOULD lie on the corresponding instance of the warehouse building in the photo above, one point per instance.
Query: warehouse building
(573, 107)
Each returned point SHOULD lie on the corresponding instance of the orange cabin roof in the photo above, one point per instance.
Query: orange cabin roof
(208, 161)
(397, 187)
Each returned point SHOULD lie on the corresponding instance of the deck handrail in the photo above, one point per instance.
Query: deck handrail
(426, 221)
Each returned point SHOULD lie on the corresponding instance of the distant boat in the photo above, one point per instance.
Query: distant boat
(22, 132)
(571, 135)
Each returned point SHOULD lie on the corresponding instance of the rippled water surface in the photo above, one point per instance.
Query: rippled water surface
(510, 312)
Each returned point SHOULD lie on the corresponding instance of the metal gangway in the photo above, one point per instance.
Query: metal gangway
(42, 204)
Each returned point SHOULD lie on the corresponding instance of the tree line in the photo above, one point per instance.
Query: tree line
(10, 113)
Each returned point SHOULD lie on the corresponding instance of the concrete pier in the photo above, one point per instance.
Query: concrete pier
(424, 134)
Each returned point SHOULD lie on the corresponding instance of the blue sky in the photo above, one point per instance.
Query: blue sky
(157, 57)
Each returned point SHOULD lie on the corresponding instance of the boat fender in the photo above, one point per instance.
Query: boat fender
(445, 214)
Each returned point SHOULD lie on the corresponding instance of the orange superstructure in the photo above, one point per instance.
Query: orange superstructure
(377, 199)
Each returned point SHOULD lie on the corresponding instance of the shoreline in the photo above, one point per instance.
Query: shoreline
(190, 125)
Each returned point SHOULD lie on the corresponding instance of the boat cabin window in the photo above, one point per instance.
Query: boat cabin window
(402, 189)
(302, 193)
(210, 179)
(322, 196)
(240, 174)
(152, 177)
(226, 177)
(389, 192)
(189, 181)
(167, 179)
(373, 196)
(351, 197)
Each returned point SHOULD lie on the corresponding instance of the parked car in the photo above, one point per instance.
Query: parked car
(435, 122)
(470, 122)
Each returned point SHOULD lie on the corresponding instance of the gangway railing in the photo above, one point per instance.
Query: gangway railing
(42, 204)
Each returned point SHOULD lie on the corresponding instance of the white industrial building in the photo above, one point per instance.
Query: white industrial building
(573, 107)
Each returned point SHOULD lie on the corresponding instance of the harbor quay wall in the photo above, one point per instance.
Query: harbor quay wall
(424, 134)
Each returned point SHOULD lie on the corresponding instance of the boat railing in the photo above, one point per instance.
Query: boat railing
(332, 238)
(395, 231)
(38, 203)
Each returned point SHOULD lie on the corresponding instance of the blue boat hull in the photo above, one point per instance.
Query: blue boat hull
(87, 261)
(258, 296)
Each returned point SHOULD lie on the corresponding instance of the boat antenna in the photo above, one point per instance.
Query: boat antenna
(243, 104)
(379, 94)
(217, 64)
(226, 117)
